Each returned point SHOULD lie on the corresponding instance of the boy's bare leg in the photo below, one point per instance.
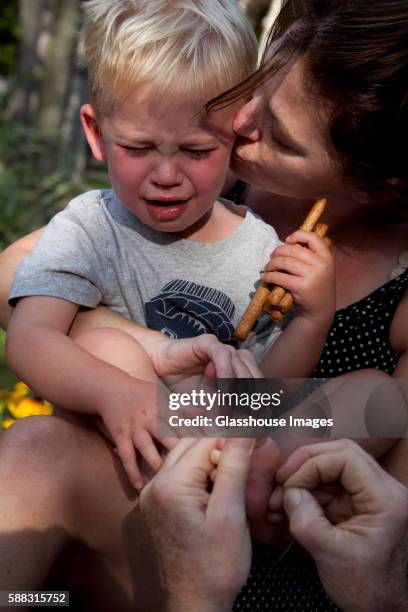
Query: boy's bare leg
(119, 349)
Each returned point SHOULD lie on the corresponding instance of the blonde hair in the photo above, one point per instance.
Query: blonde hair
(187, 51)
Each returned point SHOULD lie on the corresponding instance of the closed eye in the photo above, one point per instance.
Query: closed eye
(136, 151)
(197, 153)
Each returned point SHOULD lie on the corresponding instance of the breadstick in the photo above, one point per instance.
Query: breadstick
(252, 312)
(277, 316)
(321, 229)
(314, 215)
(275, 296)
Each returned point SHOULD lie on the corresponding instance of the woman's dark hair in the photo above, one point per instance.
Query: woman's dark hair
(356, 55)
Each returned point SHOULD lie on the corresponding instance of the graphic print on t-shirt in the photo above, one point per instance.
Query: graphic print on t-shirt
(184, 309)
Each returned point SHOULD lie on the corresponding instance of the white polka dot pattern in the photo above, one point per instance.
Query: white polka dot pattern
(358, 339)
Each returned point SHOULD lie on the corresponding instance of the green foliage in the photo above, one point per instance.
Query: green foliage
(7, 378)
(9, 35)
(33, 186)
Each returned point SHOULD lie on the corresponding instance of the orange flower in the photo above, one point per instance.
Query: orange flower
(18, 404)
(7, 423)
(28, 407)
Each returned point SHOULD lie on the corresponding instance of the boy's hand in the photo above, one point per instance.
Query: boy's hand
(131, 419)
(305, 267)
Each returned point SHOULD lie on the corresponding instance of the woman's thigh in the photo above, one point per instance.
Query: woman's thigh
(79, 501)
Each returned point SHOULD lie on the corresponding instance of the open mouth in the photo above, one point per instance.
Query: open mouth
(166, 203)
(166, 209)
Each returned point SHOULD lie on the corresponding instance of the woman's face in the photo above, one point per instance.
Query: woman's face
(283, 144)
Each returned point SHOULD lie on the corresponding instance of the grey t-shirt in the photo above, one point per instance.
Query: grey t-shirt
(97, 252)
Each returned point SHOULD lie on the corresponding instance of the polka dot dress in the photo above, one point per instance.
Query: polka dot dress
(291, 584)
(358, 339)
(359, 335)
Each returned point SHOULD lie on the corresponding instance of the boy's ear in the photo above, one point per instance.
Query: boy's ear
(90, 125)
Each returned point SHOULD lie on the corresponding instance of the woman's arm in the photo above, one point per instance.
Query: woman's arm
(9, 261)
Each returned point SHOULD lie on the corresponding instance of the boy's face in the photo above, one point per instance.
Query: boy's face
(167, 167)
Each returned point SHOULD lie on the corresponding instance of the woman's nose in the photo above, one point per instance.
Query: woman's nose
(166, 173)
(246, 120)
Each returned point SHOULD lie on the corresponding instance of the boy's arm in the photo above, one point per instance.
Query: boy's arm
(170, 357)
(303, 266)
(59, 370)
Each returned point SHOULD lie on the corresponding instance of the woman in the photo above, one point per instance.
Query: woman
(329, 116)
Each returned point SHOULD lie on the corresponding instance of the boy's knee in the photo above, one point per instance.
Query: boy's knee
(119, 349)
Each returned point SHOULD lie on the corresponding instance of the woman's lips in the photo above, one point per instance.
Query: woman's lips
(166, 210)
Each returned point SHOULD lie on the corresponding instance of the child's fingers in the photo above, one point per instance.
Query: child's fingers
(168, 442)
(296, 250)
(145, 445)
(127, 454)
(168, 436)
(282, 279)
(284, 263)
(314, 242)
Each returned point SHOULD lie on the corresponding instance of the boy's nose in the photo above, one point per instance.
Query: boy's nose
(247, 119)
(166, 173)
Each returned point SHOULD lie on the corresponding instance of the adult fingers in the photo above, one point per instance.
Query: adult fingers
(244, 367)
(364, 481)
(209, 348)
(192, 461)
(307, 522)
(249, 360)
(302, 454)
(232, 472)
(178, 451)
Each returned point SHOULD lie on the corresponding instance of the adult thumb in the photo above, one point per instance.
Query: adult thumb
(307, 522)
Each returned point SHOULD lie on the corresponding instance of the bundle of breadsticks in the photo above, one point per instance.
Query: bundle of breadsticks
(276, 301)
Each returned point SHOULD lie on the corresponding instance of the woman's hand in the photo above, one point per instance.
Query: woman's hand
(203, 354)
